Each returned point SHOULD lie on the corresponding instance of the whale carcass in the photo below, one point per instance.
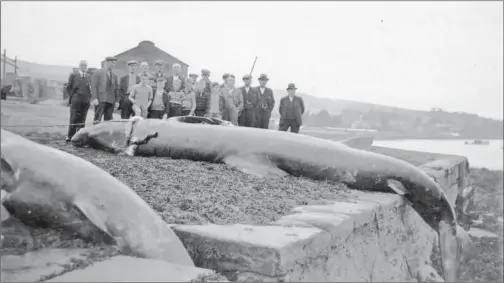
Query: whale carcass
(264, 152)
(52, 188)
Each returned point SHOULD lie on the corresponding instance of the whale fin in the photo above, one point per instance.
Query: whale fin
(256, 165)
(93, 215)
(363, 143)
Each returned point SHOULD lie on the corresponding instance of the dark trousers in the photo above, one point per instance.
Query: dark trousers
(185, 112)
(262, 119)
(175, 110)
(78, 113)
(199, 112)
(247, 118)
(126, 109)
(155, 114)
(105, 110)
(289, 122)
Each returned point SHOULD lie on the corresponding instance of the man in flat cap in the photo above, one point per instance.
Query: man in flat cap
(104, 91)
(176, 75)
(125, 87)
(203, 89)
(291, 110)
(79, 92)
(265, 103)
(234, 101)
(159, 74)
(247, 117)
(194, 78)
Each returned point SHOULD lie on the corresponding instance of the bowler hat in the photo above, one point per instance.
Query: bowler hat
(291, 86)
(110, 58)
(247, 77)
(263, 77)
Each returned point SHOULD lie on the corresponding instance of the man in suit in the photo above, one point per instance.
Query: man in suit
(291, 111)
(104, 91)
(265, 103)
(125, 86)
(79, 95)
(176, 74)
(247, 117)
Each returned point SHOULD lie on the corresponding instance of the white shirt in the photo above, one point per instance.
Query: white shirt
(291, 98)
(82, 74)
(247, 89)
(262, 89)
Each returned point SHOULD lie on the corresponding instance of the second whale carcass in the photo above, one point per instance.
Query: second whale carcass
(264, 152)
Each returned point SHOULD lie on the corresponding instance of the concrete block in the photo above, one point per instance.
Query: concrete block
(40, 264)
(131, 269)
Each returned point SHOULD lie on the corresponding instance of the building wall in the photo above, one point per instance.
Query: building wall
(146, 51)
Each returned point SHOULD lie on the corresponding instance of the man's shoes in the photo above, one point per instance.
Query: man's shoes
(67, 139)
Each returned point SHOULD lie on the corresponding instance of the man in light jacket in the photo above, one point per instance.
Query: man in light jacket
(233, 100)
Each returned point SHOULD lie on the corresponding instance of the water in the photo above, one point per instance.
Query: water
(488, 156)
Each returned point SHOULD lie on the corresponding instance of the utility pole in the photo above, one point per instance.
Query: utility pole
(4, 61)
(15, 69)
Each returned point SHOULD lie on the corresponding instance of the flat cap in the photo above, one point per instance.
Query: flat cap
(132, 62)
(111, 58)
(263, 77)
(247, 77)
(205, 72)
(193, 75)
(159, 63)
(225, 75)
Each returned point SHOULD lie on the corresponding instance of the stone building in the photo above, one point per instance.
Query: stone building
(147, 51)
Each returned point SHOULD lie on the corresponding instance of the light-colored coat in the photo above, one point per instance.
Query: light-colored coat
(99, 87)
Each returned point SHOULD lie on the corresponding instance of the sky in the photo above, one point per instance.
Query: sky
(416, 55)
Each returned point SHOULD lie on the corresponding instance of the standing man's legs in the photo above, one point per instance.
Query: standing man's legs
(99, 111)
(225, 114)
(284, 125)
(108, 111)
(233, 116)
(294, 127)
(263, 119)
(126, 109)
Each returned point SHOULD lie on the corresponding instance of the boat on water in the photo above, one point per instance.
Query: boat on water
(477, 142)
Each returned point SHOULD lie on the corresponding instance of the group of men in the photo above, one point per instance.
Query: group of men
(244, 106)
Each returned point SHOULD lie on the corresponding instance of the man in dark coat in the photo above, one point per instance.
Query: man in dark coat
(104, 91)
(79, 95)
(125, 86)
(291, 111)
(247, 116)
(265, 103)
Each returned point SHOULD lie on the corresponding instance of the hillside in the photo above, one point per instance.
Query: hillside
(39, 71)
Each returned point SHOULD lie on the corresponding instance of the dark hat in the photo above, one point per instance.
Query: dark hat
(225, 75)
(247, 77)
(110, 58)
(205, 72)
(132, 62)
(159, 62)
(291, 86)
(263, 77)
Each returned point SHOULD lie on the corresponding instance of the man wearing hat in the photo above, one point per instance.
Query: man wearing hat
(265, 103)
(224, 78)
(203, 89)
(79, 95)
(247, 117)
(104, 91)
(194, 78)
(125, 86)
(159, 66)
(291, 110)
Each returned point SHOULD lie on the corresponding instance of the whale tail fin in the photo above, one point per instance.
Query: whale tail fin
(363, 143)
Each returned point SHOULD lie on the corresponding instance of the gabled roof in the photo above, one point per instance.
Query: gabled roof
(151, 45)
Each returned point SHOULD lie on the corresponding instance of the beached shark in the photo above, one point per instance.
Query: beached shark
(48, 187)
(265, 152)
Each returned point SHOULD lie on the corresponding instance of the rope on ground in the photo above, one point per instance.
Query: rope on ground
(59, 125)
